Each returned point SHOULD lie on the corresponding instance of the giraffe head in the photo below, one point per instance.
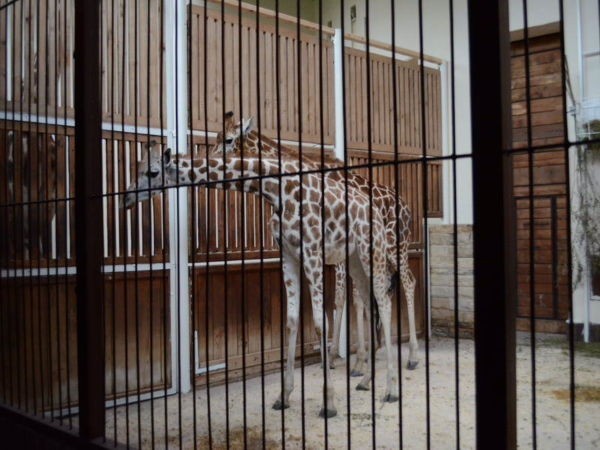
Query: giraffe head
(152, 175)
(228, 140)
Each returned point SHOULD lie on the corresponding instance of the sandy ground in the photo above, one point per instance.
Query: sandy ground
(355, 421)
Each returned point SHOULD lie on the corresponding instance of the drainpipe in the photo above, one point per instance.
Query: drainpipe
(340, 150)
(177, 128)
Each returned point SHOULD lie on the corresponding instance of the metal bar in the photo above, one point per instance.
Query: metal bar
(88, 188)
(554, 241)
(494, 283)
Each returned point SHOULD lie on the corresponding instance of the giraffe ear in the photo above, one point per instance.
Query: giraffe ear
(167, 157)
(228, 119)
(247, 125)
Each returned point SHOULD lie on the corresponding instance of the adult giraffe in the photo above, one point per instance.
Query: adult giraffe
(397, 226)
(322, 197)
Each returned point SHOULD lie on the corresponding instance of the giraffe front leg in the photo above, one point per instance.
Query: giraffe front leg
(313, 270)
(384, 306)
(361, 352)
(362, 293)
(340, 300)
(291, 277)
(408, 282)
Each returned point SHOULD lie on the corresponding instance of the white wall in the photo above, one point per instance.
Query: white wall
(436, 27)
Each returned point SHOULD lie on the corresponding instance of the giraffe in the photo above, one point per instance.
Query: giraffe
(300, 237)
(384, 198)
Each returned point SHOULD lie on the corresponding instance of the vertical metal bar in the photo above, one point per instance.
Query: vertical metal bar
(19, 228)
(224, 209)
(282, 292)
(425, 209)
(531, 227)
(571, 332)
(41, 147)
(166, 303)
(88, 188)
(371, 300)
(242, 196)
(207, 280)
(126, 233)
(554, 242)
(325, 330)
(138, 242)
(67, 57)
(345, 157)
(455, 229)
(115, 149)
(493, 249)
(193, 222)
(396, 181)
(300, 209)
(32, 207)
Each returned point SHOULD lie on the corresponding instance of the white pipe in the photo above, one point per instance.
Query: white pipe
(177, 125)
(581, 189)
(340, 150)
(338, 58)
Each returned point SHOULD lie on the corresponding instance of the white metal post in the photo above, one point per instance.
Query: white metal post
(177, 126)
(340, 150)
(338, 55)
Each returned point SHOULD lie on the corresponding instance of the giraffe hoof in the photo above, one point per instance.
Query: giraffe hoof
(356, 373)
(412, 365)
(361, 387)
(327, 413)
(279, 405)
(389, 398)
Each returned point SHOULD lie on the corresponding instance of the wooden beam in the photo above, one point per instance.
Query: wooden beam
(88, 203)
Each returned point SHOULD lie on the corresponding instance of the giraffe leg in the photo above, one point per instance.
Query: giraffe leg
(408, 283)
(291, 277)
(363, 357)
(313, 269)
(384, 305)
(340, 300)
(381, 283)
(361, 352)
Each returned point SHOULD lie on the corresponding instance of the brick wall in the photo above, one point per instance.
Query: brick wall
(441, 262)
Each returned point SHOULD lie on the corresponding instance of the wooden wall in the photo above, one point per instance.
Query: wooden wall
(39, 340)
(546, 187)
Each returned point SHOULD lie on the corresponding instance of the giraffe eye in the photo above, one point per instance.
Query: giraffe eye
(229, 141)
(153, 173)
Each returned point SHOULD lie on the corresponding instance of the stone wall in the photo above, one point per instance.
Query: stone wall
(441, 262)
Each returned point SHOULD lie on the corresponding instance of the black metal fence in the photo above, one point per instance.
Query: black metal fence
(147, 302)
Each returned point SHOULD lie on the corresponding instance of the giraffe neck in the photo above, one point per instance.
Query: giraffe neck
(247, 174)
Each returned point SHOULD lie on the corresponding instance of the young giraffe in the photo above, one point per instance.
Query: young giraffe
(301, 231)
(384, 198)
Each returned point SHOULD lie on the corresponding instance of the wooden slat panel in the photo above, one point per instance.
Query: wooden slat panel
(408, 87)
(262, 81)
(39, 344)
